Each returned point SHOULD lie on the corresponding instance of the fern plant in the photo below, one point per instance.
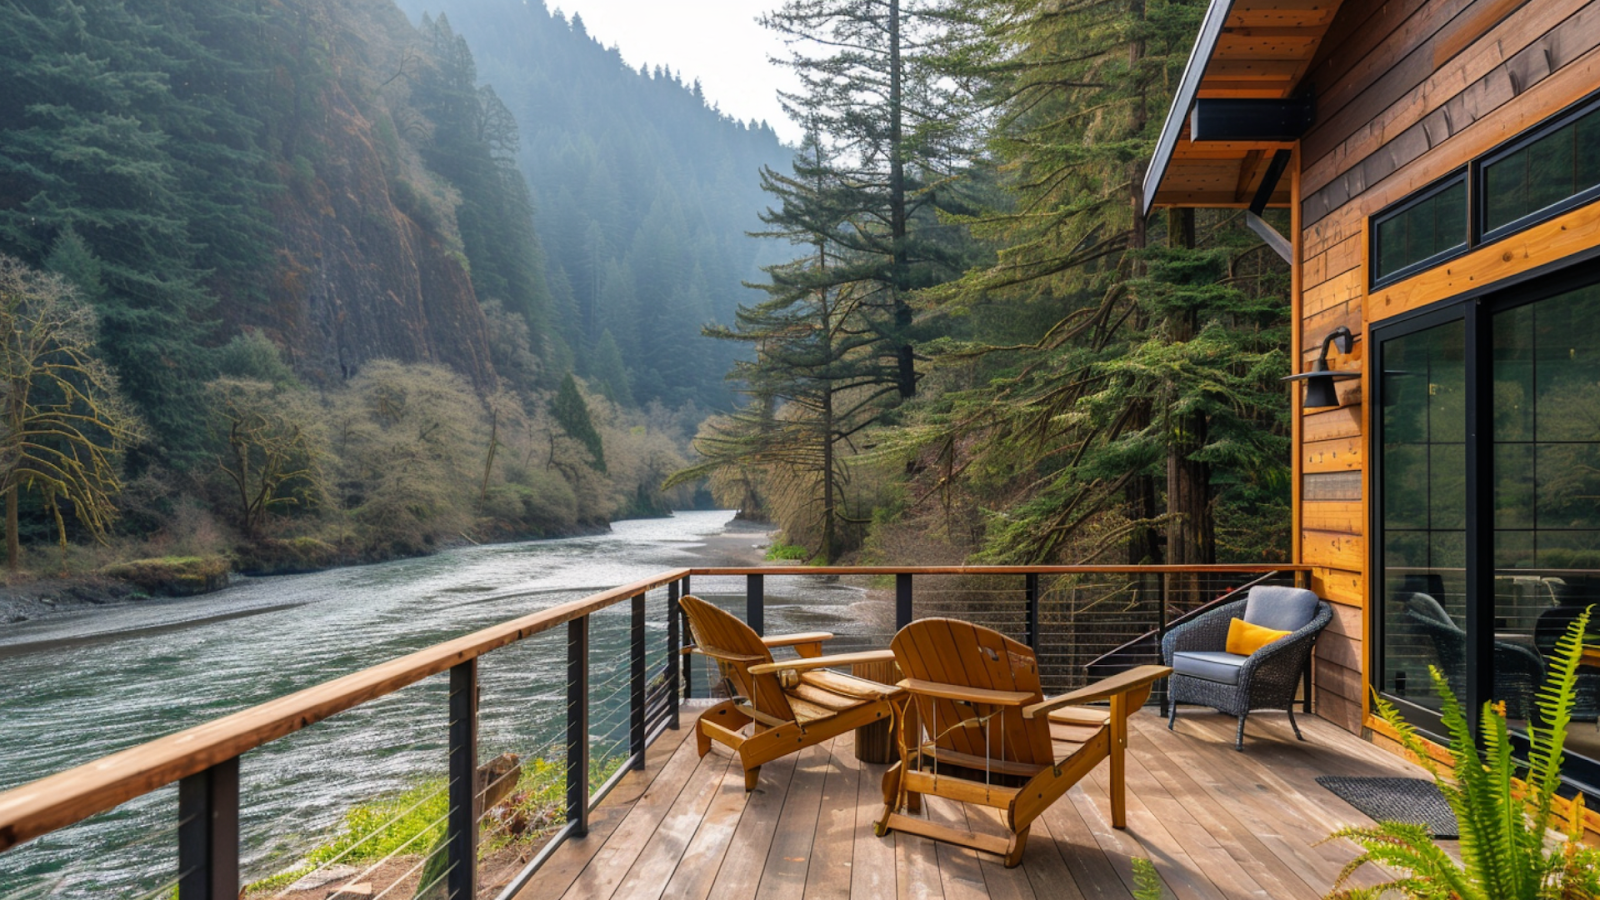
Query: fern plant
(1503, 826)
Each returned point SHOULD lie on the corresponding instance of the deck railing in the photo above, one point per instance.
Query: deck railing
(1070, 615)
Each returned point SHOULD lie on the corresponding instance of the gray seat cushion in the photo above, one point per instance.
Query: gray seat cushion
(1280, 608)
(1210, 665)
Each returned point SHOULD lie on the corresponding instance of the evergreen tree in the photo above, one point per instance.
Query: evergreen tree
(868, 87)
(1119, 368)
(572, 414)
(116, 134)
(474, 143)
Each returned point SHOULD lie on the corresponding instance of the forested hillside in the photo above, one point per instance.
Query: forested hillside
(978, 347)
(644, 193)
(281, 273)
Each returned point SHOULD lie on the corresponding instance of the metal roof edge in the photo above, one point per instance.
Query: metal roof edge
(1189, 85)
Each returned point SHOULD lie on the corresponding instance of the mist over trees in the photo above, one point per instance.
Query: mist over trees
(643, 193)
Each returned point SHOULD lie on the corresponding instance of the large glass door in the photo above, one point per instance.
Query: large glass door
(1422, 431)
(1486, 512)
(1546, 459)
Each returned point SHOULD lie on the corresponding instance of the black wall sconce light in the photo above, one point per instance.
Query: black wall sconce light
(1320, 392)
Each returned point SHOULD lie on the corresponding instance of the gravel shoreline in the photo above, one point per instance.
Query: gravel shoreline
(741, 544)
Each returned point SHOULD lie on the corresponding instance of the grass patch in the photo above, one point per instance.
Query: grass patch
(413, 823)
(781, 551)
(176, 576)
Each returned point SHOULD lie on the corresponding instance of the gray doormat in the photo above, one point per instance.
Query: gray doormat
(1413, 800)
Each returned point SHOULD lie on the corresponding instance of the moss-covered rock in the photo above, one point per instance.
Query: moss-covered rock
(174, 576)
(286, 556)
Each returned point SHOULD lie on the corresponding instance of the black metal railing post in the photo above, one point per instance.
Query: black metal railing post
(1031, 589)
(578, 726)
(688, 661)
(636, 685)
(902, 600)
(674, 656)
(461, 840)
(755, 603)
(208, 833)
(1161, 632)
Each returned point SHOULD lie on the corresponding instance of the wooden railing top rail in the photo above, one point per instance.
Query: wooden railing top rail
(67, 797)
(59, 800)
(1219, 569)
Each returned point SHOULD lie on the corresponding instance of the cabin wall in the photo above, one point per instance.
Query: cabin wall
(1406, 91)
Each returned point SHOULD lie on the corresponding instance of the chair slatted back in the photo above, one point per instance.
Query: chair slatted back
(961, 653)
(718, 633)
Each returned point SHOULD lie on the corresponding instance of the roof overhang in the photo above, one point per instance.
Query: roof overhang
(1247, 50)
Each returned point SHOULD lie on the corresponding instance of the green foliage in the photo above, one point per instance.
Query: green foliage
(572, 414)
(1146, 881)
(252, 356)
(412, 823)
(781, 551)
(1505, 853)
(129, 171)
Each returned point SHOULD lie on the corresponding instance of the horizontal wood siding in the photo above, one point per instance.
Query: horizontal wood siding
(1407, 91)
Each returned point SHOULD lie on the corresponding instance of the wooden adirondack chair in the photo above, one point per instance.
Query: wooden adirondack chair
(979, 731)
(791, 704)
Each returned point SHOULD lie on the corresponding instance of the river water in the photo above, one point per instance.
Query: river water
(79, 686)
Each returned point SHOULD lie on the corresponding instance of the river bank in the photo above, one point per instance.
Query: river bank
(741, 544)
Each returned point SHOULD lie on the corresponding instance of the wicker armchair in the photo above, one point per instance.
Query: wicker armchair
(1206, 675)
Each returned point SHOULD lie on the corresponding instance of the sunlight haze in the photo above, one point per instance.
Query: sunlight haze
(718, 41)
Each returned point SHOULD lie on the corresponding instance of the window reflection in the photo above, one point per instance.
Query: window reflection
(1546, 372)
(1424, 511)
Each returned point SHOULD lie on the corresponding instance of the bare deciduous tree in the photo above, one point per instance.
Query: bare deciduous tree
(66, 423)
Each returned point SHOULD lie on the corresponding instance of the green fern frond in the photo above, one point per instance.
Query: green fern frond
(1502, 847)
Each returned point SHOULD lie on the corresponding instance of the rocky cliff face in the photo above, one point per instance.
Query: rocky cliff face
(369, 262)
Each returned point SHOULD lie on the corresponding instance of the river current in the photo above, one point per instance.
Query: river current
(78, 686)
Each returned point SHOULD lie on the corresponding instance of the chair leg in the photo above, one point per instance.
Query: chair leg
(1293, 724)
(751, 775)
(1019, 842)
(1238, 739)
(1172, 714)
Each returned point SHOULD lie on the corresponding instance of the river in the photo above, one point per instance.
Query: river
(78, 686)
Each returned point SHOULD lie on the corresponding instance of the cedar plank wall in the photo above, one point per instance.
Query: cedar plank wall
(1406, 91)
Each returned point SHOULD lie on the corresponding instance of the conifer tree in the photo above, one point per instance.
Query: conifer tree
(892, 127)
(572, 414)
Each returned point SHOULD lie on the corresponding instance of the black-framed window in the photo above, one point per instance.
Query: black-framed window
(1547, 171)
(1420, 231)
(1486, 463)
(1536, 176)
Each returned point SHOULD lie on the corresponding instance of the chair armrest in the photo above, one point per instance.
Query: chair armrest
(789, 640)
(966, 694)
(723, 655)
(807, 644)
(1104, 689)
(823, 662)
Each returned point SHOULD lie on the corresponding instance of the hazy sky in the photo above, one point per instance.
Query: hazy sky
(717, 41)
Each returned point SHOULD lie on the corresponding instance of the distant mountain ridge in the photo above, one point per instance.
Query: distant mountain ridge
(644, 193)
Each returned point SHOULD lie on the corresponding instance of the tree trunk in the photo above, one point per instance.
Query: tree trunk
(1144, 544)
(1190, 532)
(13, 542)
(900, 281)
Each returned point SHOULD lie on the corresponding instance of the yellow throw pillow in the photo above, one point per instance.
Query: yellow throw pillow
(1245, 639)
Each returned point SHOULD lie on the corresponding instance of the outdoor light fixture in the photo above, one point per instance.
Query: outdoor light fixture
(1320, 392)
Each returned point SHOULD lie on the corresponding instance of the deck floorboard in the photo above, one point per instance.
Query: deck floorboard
(1218, 824)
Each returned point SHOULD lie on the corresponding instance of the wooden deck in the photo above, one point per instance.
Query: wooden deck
(1217, 824)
